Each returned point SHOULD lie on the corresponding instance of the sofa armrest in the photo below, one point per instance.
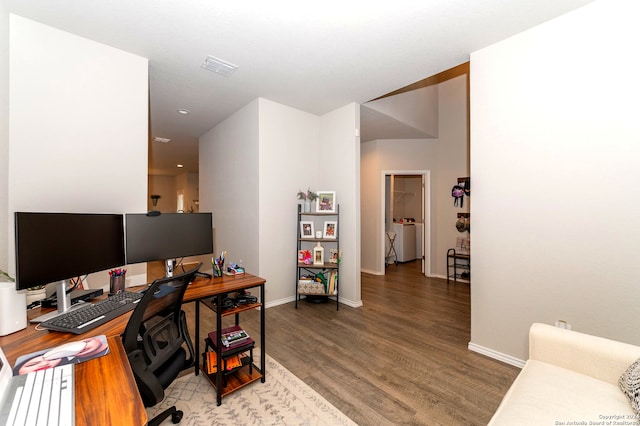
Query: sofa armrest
(600, 358)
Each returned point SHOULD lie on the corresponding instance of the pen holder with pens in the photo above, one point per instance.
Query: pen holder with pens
(116, 281)
(218, 264)
(217, 268)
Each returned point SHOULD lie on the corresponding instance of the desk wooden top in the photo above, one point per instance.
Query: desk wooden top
(106, 391)
(202, 288)
(33, 339)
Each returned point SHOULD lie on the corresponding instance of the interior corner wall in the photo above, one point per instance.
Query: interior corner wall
(339, 159)
(446, 159)
(229, 185)
(251, 167)
(554, 161)
(371, 199)
(452, 163)
(78, 126)
(4, 139)
(290, 161)
(377, 158)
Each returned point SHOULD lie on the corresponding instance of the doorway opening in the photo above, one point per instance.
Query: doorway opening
(405, 228)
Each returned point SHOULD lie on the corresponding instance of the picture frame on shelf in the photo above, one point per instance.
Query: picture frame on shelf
(334, 255)
(304, 256)
(326, 202)
(330, 229)
(306, 229)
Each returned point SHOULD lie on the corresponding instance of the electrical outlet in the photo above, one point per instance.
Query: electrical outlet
(563, 324)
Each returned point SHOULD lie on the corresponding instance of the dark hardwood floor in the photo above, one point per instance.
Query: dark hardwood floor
(402, 358)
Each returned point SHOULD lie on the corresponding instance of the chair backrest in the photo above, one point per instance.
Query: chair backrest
(154, 336)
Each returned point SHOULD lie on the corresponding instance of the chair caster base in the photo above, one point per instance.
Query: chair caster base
(176, 417)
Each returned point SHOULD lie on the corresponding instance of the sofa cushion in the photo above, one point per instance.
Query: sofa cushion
(630, 384)
(545, 394)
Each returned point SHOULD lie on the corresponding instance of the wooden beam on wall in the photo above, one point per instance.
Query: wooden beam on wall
(430, 81)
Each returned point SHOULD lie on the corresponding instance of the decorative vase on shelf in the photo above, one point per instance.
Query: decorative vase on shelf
(306, 206)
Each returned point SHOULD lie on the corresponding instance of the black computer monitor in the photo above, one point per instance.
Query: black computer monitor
(167, 236)
(55, 247)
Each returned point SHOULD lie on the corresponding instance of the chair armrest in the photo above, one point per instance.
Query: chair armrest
(600, 358)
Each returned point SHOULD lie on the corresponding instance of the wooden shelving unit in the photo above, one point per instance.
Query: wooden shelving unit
(333, 269)
(226, 382)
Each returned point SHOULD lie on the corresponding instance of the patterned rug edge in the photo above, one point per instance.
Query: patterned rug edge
(283, 399)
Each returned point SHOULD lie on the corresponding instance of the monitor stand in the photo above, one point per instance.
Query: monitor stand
(63, 303)
(169, 266)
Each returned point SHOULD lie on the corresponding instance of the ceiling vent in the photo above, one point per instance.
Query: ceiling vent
(218, 65)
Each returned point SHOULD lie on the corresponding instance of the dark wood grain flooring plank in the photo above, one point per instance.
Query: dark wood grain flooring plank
(401, 358)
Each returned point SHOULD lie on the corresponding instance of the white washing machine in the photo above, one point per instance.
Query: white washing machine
(405, 243)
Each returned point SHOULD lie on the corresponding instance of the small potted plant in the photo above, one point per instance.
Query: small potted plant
(5, 277)
(307, 198)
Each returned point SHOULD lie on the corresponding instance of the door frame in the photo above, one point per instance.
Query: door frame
(426, 216)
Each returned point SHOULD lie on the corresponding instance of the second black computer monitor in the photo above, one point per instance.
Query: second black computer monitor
(167, 236)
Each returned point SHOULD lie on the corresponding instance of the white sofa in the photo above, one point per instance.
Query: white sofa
(570, 378)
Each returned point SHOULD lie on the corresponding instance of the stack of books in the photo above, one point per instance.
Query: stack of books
(333, 283)
(230, 363)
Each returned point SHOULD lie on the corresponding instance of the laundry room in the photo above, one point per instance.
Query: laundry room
(404, 217)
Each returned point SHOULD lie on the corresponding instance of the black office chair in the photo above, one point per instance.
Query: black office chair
(155, 338)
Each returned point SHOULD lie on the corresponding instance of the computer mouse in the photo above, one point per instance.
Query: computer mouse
(68, 349)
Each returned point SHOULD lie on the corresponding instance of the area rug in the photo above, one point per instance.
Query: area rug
(282, 400)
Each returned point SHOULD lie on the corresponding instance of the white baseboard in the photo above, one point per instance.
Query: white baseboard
(350, 303)
(344, 301)
(371, 272)
(507, 359)
(444, 277)
(279, 302)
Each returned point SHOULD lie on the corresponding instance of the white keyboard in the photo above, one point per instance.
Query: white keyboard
(47, 398)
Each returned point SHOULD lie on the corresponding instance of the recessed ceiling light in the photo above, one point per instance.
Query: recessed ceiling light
(218, 66)
(183, 111)
(162, 140)
(179, 166)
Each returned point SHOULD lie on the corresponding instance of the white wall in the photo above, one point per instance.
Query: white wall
(289, 162)
(445, 158)
(339, 159)
(252, 166)
(555, 148)
(78, 124)
(377, 158)
(4, 138)
(407, 201)
(229, 185)
(452, 163)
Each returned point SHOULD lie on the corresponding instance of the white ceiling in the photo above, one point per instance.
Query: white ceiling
(312, 55)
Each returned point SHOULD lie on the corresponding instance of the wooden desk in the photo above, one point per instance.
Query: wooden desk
(105, 386)
(226, 284)
(106, 391)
